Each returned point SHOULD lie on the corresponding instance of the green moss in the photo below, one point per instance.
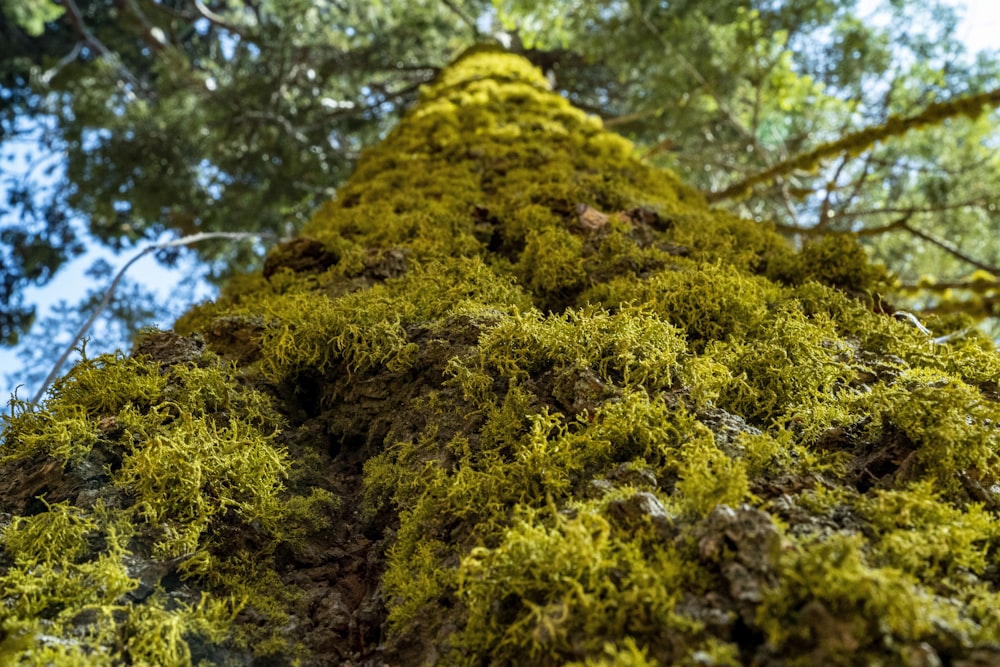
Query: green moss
(784, 366)
(631, 347)
(949, 429)
(64, 434)
(709, 302)
(837, 260)
(67, 427)
(303, 328)
(51, 578)
(56, 576)
(709, 478)
(193, 457)
(189, 473)
(626, 654)
(603, 397)
(927, 538)
(841, 608)
(549, 592)
(551, 262)
(107, 384)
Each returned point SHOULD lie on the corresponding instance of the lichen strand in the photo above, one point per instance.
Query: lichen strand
(599, 423)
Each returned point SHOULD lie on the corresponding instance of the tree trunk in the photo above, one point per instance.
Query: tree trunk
(515, 398)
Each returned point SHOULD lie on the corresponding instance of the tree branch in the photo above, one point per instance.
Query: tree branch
(978, 201)
(857, 142)
(215, 19)
(81, 29)
(455, 9)
(820, 231)
(949, 248)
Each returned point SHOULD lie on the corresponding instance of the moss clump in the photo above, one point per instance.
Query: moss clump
(928, 538)
(56, 574)
(837, 260)
(189, 455)
(562, 589)
(784, 367)
(709, 302)
(948, 430)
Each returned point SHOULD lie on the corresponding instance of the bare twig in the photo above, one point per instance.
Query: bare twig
(950, 249)
(215, 19)
(193, 238)
(50, 73)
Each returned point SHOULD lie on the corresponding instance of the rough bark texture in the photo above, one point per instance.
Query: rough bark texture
(515, 398)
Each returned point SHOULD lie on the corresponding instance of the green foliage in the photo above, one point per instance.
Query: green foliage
(709, 478)
(32, 16)
(364, 329)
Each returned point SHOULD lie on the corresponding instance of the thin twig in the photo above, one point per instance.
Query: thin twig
(455, 9)
(193, 238)
(215, 19)
(950, 249)
(50, 73)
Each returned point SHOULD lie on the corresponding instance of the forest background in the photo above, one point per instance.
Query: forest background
(130, 122)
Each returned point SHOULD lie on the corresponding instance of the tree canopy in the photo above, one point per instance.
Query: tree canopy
(184, 116)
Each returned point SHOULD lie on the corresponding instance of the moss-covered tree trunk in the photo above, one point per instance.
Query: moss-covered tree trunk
(515, 398)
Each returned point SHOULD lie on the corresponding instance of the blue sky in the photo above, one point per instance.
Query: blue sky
(980, 30)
